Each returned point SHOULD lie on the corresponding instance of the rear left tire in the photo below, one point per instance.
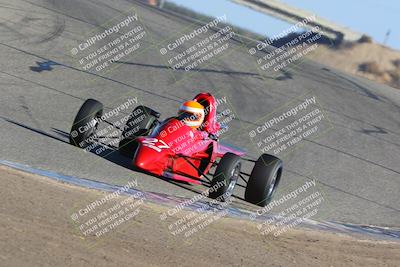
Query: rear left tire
(142, 121)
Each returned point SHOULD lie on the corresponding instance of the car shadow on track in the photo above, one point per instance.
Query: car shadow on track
(111, 155)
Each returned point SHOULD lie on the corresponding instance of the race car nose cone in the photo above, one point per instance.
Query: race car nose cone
(149, 160)
(141, 160)
(142, 163)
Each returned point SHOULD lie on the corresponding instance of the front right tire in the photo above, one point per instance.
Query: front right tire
(225, 177)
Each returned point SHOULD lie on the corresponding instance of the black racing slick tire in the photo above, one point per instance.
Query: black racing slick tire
(225, 177)
(141, 122)
(85, 123)
(263, 180)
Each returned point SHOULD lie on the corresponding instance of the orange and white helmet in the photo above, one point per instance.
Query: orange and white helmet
(191, 113)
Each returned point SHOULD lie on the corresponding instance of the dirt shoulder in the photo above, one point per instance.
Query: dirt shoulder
(36, 229)
(372, 61)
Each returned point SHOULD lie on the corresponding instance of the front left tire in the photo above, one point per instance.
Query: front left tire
(263, 180)
(85, 123)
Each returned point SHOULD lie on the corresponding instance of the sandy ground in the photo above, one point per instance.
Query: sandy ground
(348, 59)
(36, 229)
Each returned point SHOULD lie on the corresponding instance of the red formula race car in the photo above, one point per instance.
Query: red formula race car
(184, 148)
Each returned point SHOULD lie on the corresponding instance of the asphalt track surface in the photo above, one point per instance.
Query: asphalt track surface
(355, 161)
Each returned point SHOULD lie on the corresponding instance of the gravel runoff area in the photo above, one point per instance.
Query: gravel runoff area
(36, 229)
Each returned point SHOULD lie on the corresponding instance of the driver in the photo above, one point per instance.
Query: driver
(192, 114)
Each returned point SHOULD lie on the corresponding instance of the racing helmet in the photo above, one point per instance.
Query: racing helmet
(191, 113)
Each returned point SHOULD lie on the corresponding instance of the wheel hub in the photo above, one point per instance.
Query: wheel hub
(272, 184)
(233, 179)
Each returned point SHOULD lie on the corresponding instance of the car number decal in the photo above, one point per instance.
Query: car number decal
(155, 144)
